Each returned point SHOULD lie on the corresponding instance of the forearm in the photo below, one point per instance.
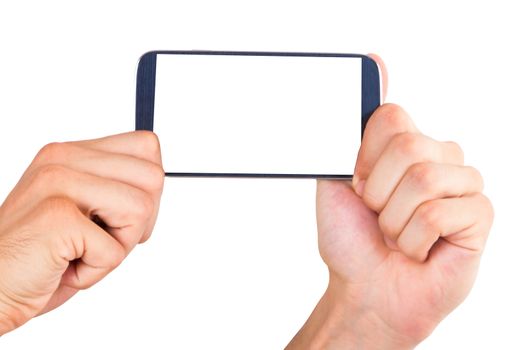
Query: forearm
(337, 324)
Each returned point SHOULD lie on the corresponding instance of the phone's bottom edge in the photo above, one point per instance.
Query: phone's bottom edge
(255, 175)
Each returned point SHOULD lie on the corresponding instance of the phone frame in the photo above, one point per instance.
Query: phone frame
(145, 98)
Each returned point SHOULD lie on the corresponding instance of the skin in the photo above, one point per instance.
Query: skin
(402, 242)
(75, 214)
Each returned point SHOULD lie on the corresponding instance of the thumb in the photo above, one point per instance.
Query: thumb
(54, 237)
(92, 253)
(82, 252)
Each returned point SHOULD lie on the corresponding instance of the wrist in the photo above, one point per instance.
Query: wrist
(341, 320)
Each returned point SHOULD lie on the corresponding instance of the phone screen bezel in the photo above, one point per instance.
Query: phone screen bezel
(145, 98)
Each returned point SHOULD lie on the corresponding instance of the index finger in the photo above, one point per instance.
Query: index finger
(387, 121)
(140, 144)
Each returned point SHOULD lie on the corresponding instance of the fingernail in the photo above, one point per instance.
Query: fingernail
(359, 188)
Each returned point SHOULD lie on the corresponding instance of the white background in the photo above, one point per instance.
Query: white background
(258, 114)
(233, 263)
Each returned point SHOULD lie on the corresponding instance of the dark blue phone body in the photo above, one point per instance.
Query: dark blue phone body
(145, 97)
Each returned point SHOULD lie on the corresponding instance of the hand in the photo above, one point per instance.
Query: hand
(402, 242)
(76, 213)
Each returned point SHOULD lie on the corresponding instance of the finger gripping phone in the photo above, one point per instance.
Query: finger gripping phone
(257, 114)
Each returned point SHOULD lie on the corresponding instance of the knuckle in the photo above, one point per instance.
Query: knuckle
(430, 214)
(456, 149)
(476, 177)
(488, 209)
(116, 258)
(143, 208)
(363, 165)
(157, 177)
(53, 152)
(47, 175)
(408, 144)
(393, 116)
(416, 248)
(423, 176)
(412, 252)
(59, 206)
(145, 237)
(386, 226)
(149, 142)
(372, 199)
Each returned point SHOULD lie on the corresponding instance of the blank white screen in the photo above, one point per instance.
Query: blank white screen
(258, 114)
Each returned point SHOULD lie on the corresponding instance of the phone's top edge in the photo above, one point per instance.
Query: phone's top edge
(253, 53)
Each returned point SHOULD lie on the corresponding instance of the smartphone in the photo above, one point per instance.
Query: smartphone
(257, 114)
